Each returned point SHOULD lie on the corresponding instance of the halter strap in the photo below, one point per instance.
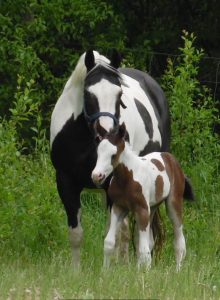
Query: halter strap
(97, 115)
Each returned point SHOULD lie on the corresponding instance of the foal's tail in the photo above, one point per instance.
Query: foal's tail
(158, 228)
(188, 191)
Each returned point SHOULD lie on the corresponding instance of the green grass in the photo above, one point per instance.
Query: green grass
(199, 279)
(50, 276)
(35, 257)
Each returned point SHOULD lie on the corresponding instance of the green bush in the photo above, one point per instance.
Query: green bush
(193, 115)
(31, 217)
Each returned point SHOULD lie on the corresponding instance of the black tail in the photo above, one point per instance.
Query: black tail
(188, 191)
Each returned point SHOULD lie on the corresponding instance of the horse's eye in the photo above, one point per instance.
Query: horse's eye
(113, 156)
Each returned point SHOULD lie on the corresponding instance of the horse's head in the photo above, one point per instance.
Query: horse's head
(102, 92)
(109, 150)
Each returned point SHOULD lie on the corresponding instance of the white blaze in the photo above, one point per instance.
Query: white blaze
(107, 94)
(105, 152)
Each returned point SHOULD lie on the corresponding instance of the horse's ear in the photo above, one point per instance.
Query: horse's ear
(89, 60)
(122, 130)
(115, 59)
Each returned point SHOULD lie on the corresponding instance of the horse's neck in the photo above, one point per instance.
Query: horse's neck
(129, 159)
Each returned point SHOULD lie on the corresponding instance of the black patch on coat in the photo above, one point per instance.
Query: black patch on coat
(91, 103)
(73, 155)
(158, 102)
(150, 147)
(74, 151)
(145, 117)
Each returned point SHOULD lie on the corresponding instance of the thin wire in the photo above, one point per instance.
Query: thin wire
(216, 79)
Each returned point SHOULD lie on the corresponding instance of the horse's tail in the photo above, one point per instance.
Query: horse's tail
(158, 228)
(188, 191)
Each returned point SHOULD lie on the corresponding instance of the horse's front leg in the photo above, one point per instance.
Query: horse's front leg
(144, 248)
(122, 241)
(70, 196)
(117, 216)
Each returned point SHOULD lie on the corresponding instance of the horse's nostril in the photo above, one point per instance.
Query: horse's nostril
(100, 177)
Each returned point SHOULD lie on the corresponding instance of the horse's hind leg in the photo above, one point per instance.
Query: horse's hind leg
(117, 216)
(70, 197)
(174, 207)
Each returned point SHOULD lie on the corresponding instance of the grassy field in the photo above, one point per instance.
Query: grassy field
(54, 279)
(50, 275)
(35, 258)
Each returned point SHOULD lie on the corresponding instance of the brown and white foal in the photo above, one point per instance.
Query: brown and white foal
(139, 184)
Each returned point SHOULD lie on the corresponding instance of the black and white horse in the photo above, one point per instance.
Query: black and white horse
(99, 94)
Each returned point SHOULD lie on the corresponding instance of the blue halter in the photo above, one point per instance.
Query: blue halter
(92, 118)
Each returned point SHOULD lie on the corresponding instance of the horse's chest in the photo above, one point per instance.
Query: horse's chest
(127, 195)
(73, 148)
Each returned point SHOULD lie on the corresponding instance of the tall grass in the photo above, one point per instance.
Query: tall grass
(52, 277)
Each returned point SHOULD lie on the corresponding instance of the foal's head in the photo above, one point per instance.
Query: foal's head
(109, 150)
(102, 92)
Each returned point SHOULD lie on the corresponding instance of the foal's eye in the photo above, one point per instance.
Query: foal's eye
(98, 139)
(113, 156)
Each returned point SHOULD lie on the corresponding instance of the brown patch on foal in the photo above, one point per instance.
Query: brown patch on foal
(159, 184)
(177, 182)
(126, 193)
(158, 164)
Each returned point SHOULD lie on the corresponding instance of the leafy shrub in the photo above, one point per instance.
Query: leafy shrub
(31, 217)
(193, 115)
(42, 41)
(26, 117)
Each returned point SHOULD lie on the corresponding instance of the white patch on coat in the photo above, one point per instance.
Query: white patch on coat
(71, 100)
(144, 254)
(75, 237)
(107, 95)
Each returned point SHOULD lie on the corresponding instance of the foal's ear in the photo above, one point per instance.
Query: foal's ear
(115, 59)
(89, 60)
(122, 130)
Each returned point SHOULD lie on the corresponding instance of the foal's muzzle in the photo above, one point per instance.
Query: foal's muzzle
(98, 178)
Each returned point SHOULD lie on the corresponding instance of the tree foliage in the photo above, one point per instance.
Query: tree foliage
(42, 40)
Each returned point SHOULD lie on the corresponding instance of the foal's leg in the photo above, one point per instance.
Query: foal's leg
(174, 207)
(70, 197)
(144, 249)
(122, 241)
(117, 216)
